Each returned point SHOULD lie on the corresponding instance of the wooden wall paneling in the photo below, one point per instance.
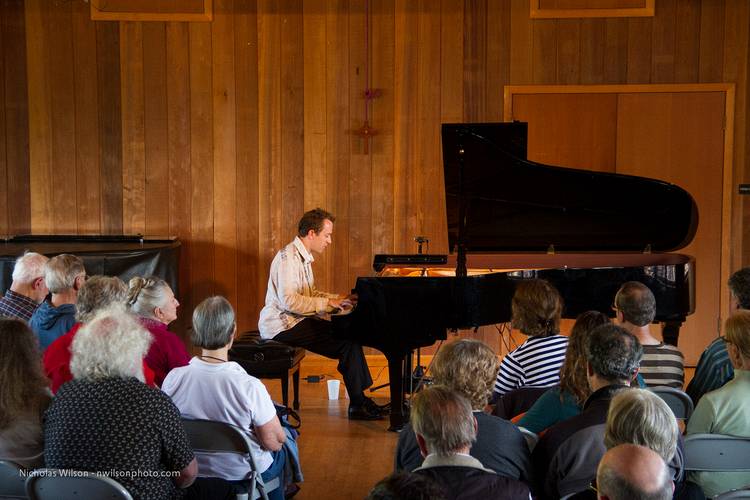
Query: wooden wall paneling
(40, 111)
(201, 163)
(269, 136)
(110, 124)
(338, 145)
(568, 51)
(360, 166)
(431, 199)
(16, 119)
(178, 158)
(735, 70)
(382, 147)
(521, 44)
(498, 58)
(639, 50)
(544, 52)
(474, 59)
(711, 41)
(405, 109)
(659, 136)
(593, 48)
(4, 225)
(663, 40)
(687, 44)
(292, 117)
(62, 177)
(315, 104)
(224, 152)
(88, 197)
(454, 67)
(615, 51)
(133, 128)
(155, 128)
(249, 295)
(570, 130)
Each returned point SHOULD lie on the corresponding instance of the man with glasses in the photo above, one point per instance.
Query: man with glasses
(64, 275)
(714, 368)
(27, 289)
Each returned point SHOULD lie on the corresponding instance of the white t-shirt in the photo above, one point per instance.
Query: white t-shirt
(222, 392)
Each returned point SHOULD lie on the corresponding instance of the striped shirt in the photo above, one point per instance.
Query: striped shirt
(662, 364)
(713, 371)
(535, 363)
(15, 305)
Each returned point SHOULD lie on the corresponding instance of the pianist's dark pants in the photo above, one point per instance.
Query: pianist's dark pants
(315, 335)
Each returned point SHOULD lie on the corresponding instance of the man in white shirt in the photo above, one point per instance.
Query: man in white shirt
(295, 311)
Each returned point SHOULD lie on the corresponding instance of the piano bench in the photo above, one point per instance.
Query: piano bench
(269, 359)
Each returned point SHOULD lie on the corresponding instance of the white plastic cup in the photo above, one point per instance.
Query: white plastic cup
(333, 388)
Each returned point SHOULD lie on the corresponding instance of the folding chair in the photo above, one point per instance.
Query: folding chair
(530, 437)
(208, 436)
(717, 453)
(12, 480)
(734, 494)
(678, 401)
(59, 484)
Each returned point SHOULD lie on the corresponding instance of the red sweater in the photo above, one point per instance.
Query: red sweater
(167, 350)
(57, 361)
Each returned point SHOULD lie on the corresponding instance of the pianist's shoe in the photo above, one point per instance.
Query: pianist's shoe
(363, 413)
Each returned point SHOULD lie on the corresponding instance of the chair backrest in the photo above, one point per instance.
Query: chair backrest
(12, 480)
(678, 401)
(734, 494)
(209, 436)
(530, 437)
(717, 453)
(65, 484)
(517, 401)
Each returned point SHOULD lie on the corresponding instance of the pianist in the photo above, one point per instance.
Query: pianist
(295, 310)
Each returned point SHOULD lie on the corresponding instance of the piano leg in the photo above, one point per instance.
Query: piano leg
(396, 380)
(670, 331)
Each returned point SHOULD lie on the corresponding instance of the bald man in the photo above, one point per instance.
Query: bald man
(632, 472)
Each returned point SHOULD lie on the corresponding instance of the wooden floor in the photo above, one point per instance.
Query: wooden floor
(340, 459)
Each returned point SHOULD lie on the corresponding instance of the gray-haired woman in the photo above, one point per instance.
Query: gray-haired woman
(212, 387)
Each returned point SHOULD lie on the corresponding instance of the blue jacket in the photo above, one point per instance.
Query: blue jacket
(50, 322)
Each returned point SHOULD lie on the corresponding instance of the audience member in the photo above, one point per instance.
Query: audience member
(635, 309)
(213, 388)
(565, 400)
(445, 429)
(406, 486)
(632, 472)
(639, 416)
(27, 290)
(64, 276)
(24, 396)
(536, 309)
(154, 302)
(714, 368)
(727, 410)
(566, 456)
(469, 367)
(107, 419)
(99, 292)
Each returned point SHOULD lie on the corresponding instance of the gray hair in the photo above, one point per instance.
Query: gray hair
(61, 271)
(29, 267)
(97, 293)
(636, 302)
(213, 323)
(112, 344)
(146, 294)
(638, 416)
(444, 419)
(613, 353)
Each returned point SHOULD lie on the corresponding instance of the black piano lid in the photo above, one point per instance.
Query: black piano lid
(514, 204)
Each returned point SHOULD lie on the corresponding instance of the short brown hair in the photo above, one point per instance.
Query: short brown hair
(636, 302)
(738, 332)
(468, 367)
(313, 219)
(573, 372)
(536, 308)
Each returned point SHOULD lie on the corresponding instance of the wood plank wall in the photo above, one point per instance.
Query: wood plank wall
(222, 133)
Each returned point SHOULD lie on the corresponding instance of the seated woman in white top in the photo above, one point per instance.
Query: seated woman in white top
(213, 388)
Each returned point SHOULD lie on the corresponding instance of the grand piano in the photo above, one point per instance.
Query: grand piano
(512, 219)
